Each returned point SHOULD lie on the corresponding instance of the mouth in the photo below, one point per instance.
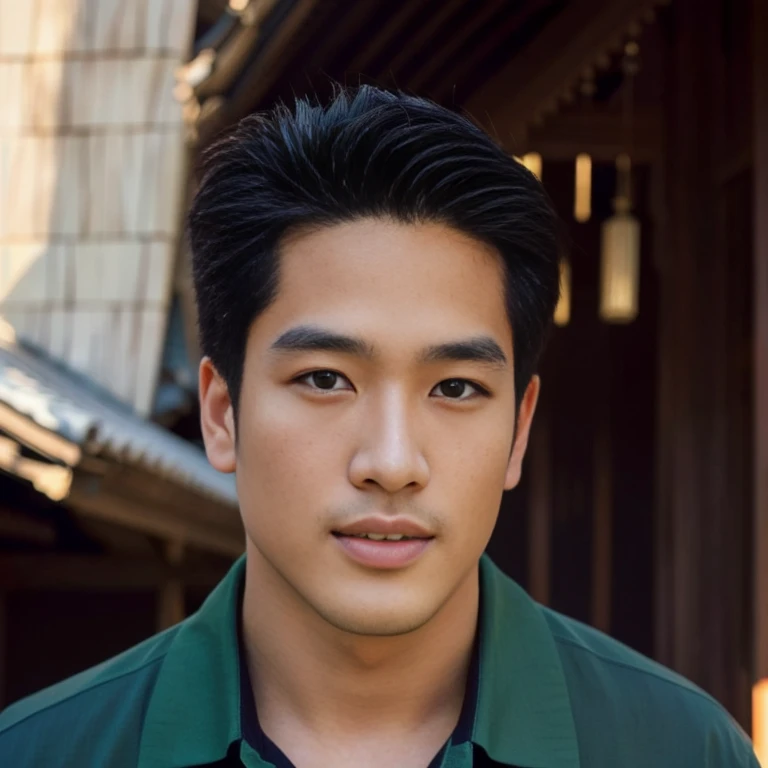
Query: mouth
(379, 528)
(381, 536)
(384, 544)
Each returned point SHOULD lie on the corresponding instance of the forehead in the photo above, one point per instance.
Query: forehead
(384, 278)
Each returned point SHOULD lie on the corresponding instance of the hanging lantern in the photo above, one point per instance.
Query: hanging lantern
(620, 247)
(563, 309)
(582, 197)
(582, 192)
(620, 255)
(620, 268)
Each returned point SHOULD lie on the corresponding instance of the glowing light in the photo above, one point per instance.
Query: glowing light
(533, 162)
(582, 205)
(760, 721)
(620, 255)
(563, 310)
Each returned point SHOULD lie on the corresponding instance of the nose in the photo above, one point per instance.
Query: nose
(389, 455)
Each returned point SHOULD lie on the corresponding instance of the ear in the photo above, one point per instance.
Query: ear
(524, 420)
(217, 418)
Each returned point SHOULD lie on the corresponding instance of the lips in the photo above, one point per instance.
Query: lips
(385, 527)
(382, 553)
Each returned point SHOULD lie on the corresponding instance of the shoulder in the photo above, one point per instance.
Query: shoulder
(642, 707)
(56, 726)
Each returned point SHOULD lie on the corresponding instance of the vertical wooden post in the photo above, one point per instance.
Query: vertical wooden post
(3, 650)
(602, 529)
(760, 213)
(540, 514)
(170, 607)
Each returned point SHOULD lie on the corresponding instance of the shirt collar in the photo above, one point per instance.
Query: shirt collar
(194, 711)
(523, 715)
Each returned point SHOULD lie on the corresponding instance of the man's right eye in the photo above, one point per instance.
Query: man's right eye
(326, 381)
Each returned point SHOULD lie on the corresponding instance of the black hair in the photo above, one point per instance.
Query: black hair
(368, 153)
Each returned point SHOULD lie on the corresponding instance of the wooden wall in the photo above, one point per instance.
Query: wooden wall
(760, 282)
(704, 459)
(593, 441)
(678, 387)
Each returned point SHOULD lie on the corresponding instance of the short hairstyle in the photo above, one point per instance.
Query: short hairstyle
(367, 153)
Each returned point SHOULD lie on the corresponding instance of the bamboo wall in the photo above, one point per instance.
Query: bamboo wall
(91, 171)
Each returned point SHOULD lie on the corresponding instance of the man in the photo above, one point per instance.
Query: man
(375, 280)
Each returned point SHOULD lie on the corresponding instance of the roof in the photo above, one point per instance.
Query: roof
(489, 57)
(92, 422)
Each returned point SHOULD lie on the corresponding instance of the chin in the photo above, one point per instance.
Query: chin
(390, 621)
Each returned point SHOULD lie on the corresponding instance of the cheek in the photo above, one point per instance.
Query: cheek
(282, 462)
(473, 476)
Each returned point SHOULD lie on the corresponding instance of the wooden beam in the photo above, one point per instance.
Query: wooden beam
(602, 528)
(234, 54)
(599, 133)
(459, 67)
(98, 573)
(438, 58)
(422, 36)
(397, 20)
(212, 528)
(26, 430)
(352, 16)
(259, 77)
(53, 480)
(210, 10)
(3, 650)
(760, 78)
(531, 83)
(18, 525)
(170, 597)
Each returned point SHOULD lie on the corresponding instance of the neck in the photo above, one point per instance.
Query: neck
(322, 679)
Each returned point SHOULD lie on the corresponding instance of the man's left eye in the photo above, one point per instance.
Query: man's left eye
(457, 389)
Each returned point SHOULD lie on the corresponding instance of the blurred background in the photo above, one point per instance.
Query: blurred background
(644, 505)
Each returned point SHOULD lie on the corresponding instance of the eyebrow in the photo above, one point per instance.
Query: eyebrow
(480, 349)
(310, 338)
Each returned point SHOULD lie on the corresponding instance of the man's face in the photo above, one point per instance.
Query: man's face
(377, 397)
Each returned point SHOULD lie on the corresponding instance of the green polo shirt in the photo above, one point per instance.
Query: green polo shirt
(552, 693)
